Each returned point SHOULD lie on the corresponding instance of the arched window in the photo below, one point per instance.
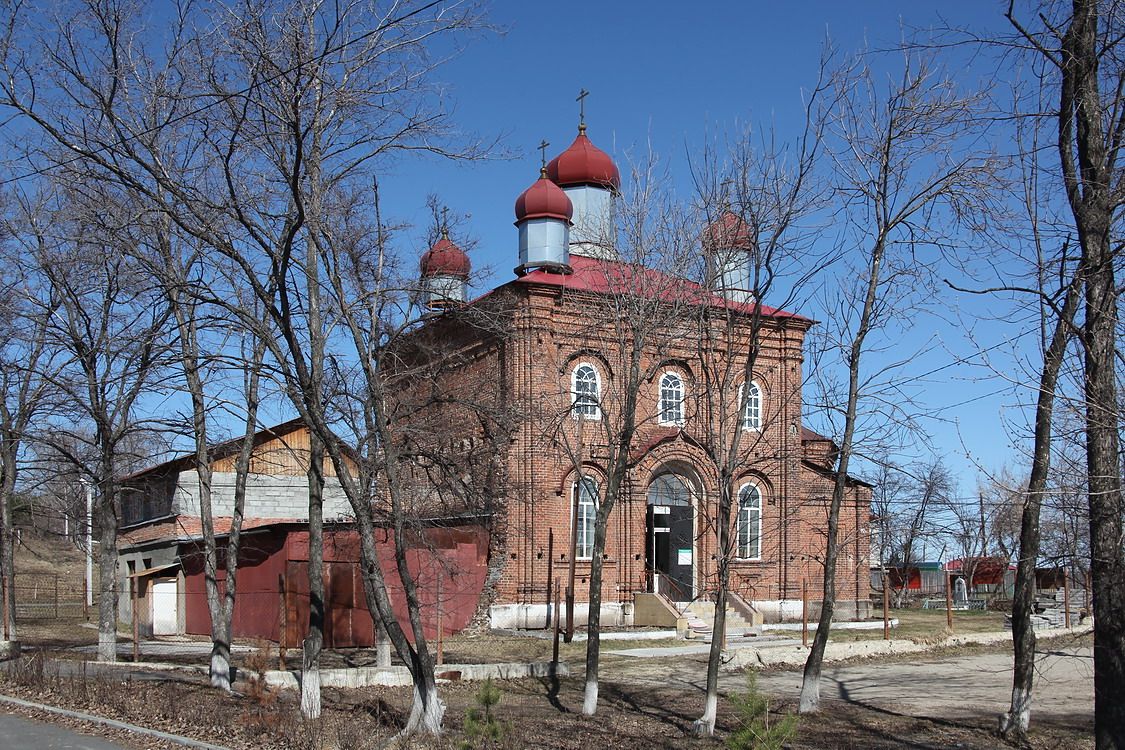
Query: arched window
(752, 413)
(749, 522)
(586, 392)
(669, 489)
(671, 399)
(586, 500)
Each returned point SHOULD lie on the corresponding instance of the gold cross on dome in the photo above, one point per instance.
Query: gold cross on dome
(543, 152)
(581, 99)
(445, 222)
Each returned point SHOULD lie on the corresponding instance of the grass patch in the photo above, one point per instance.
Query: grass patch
(927, 625)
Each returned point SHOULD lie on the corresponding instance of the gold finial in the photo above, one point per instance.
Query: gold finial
(445, 222)
(582, 94)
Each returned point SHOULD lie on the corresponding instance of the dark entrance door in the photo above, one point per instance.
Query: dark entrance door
(670, 550)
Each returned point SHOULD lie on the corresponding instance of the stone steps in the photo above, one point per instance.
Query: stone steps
(700, 617)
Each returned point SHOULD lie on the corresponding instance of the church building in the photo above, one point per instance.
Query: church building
(559, 360)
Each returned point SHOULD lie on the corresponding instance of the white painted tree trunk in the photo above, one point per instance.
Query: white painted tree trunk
(1019, 719)
(220, 670)
(425, 715)
(382, 648)
(310, 692)
(704, 726)
(810, 695)
(590, 698)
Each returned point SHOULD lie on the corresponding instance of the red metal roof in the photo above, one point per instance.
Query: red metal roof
(614, 277)
(584, 164)
(191, 527)
(543, 200)
(445, 259)
(808, 435)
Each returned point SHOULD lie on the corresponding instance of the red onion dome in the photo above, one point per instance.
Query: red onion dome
(584, 164)
(445, 259)
(728, 231)
(543, 200)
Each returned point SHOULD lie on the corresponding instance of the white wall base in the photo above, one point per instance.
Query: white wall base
(534, 616)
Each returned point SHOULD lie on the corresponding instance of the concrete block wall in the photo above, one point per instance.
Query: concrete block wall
(267, 496)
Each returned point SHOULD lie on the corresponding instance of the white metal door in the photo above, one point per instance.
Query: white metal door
(164, 620)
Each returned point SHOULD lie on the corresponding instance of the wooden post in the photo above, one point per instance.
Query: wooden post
(555, 650)
(804, 611)
(282, 622)
(573, 554)
(440, 640)
(136, 620)
(1066, 596)
(886, 609)
(550, 573)
(948, 602)
(85, 600)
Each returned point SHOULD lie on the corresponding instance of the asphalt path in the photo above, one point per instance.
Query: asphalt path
(17, 733)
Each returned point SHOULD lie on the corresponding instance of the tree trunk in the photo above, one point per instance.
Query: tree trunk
(382, 647)
(314, 641)
(704, 726)
(1090, 185)
(107, 573)
(428, 709)
(1106, 549)
(1015, 722)
(7, 541)
(810, 683)
(594, 610)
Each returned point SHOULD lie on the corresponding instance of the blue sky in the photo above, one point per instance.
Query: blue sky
(665, 76)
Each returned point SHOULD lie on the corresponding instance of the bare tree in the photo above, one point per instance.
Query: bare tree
(639, 306)
(27, 369)
(929, 491)
(758, 249)
(1080, 48)
(111, 324)
(903, 177)
(283, 109)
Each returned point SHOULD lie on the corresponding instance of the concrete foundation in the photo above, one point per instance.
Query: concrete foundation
(359, 677)
(535, 616)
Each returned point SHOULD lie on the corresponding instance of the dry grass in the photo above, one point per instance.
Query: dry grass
(927, 626)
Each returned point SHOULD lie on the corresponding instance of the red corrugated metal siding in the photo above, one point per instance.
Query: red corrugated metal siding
(452, 560)
(256, 607)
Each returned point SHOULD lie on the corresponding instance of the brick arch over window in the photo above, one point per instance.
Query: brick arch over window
(598, 359)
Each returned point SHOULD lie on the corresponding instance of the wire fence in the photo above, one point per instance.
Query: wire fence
(48, 597)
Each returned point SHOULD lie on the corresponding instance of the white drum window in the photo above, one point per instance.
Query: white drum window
(586, 498)
(749, 522)
(586, 392)
(671, 399)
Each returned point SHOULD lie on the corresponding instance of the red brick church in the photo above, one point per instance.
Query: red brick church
(559, 360)
(550, 354)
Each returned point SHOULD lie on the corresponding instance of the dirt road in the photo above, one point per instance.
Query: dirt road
(963, 686)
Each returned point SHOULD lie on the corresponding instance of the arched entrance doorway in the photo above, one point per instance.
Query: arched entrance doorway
(670, 547)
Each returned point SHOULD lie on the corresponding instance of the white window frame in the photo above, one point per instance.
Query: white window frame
(669, 412)
(578, 404)
(586, 517)
(752, 418)
(744, 521)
